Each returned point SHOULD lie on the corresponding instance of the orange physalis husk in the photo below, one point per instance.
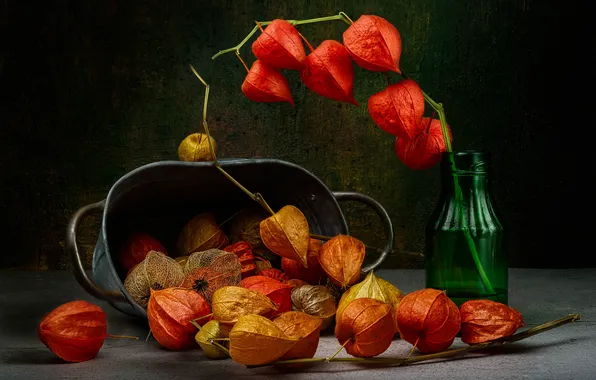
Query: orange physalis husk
(247, 259)
(137, 247)
(314, 274)
(485, 320)
(74, 331)
(329, 72)
(232, 302)
(274, 273)
(278, 292)
(428, 319)
(286, 233)
(300, 325)
(255, 340)
(374, 44)
(367, 324)
(263, 83)
(201, 233)
(341, 258)
(425, 150)
(280, 46)
(399, 109)
(170, 311)
(372, 287)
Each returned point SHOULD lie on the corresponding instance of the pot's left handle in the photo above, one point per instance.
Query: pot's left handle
(73, 251)
(380, 210)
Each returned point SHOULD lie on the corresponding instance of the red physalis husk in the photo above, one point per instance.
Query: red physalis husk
(170, 311)
(485, 320)
(265, 84)
(374, 44)
(367, 324)
(278, 292)
(428, 319)
(274, 273)
(329, 72)
(247, 259)
(280, 46)
(74, 331)
(136, 248)
(425, 150)
(399, 109)
(314, 274)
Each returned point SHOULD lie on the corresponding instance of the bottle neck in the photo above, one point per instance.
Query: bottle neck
(467, 171)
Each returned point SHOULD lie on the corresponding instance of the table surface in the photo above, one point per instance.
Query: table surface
(567, 352)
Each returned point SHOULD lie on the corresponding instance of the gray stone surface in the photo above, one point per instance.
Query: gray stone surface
(541, 295)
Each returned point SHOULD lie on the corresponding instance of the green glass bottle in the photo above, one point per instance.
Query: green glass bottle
(464, 251)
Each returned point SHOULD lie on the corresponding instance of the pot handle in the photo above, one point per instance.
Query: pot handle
(380, 210)
(73, 251)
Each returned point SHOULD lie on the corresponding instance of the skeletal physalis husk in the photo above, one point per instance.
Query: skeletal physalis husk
(232, 302)
(195, 148)
(207, 271)
(255, 340)
(212, 330)
(315, 300)
(372, 287)
(201, 233)
(157, 271)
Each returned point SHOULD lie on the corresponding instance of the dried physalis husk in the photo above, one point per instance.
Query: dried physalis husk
(262, 264)
(300, 325)
(341, 258)
(367, 325)
(232, 302)
(296, 283)
(223, 270)
(255, 340)
(372, 287)
(315, 300)
(287, 234)
(211, 330)
(201, 233)
(486, 320)
(202, 259)
(157, 271)
(246, 227)
(195, 147)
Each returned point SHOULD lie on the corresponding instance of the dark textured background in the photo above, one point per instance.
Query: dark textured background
(91, 90)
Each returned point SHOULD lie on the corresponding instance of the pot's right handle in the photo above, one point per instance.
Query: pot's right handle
(73, 251)
(380, 210)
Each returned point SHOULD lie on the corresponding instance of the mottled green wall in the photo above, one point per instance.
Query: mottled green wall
(92, 90)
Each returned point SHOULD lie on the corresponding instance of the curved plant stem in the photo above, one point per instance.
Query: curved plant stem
(123, 337)
(443, 354)
(225, 350)
(341, 16)
(438, 107)
(459, 195)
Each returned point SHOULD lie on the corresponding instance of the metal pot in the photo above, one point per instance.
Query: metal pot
(159, 198)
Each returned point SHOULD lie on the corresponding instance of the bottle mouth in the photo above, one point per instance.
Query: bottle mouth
(467, 162)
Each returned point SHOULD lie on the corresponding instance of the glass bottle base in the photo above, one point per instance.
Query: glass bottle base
(459, 296)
